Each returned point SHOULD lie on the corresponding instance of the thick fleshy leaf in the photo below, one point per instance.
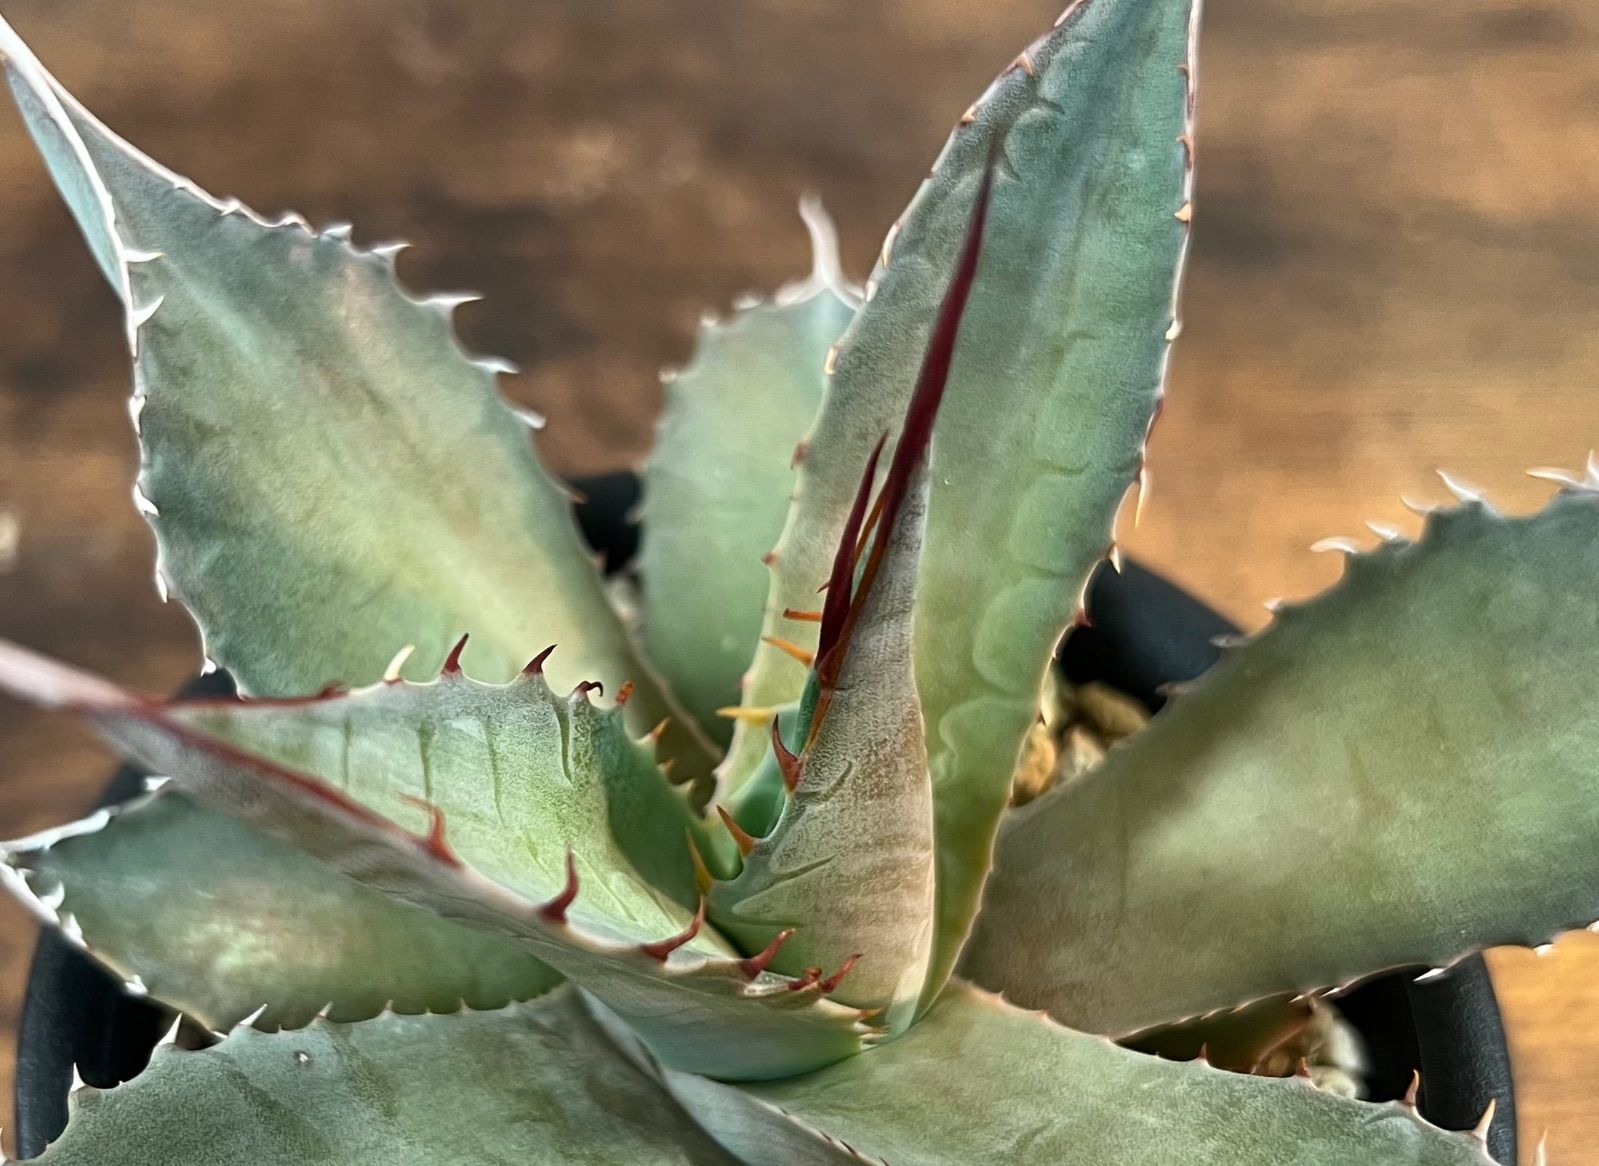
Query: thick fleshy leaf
(717, 485)
(519, 776)
(981, 1082)
(849, 863)
(329, 477)
(219, 920)
(531, 1083)
(1395, 773)
(698, 1005)
(1058, 374)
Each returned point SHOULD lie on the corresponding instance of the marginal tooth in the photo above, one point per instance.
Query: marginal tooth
(391, 674)
(140, 316)
(154, 784)
(1115, 557)
(1460, 488)
(1413, 1093)
(134, 255)
(250, 1020)
(77, 1085)
(710, 319)
(1593, 466)
(53, 898)
(1558, 476)
(133, 985)
(171, 1036)
(1184, 213)
(1347, 546)
(1486, 1121)
(753, 716)
(665, 947)
(1432, 974)
(826, 267)
(68, 923)
(1540, 1155)
(741, 836)
(830, 362)
(555, 910)
(142, 503)
(1174, 331)
(447, 302)
(339, 231)
(790, 648)
(1420, 509)
(832, 982)
(497, 364)
(1276, 605)
(744, 301)
(703, 879)
(1543, 949)
(1385, 531)
(758, 963)
(387, 251)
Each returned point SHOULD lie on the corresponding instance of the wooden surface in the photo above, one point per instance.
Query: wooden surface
(1396, 268)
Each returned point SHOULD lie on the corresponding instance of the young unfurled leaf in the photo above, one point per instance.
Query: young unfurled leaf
(1051, 395)
(219, 920)
(717, 485)
(329, 477)
(1396, 773)
(531, 1083)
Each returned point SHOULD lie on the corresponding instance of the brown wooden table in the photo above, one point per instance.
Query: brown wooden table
(1396, 268)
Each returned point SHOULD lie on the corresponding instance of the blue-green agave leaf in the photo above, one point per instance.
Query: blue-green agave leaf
(1395, 773)
(530, 1083)
(1058, 375)
(219, 921)
(717, 484)
(505, 787)
(980, 1082)
(303, 420)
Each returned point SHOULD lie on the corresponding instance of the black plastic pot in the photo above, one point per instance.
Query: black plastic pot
(1145, 633)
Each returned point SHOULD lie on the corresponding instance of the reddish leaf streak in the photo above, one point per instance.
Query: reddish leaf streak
(841, 610)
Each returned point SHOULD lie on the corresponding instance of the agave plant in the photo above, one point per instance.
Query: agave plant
(740, 880)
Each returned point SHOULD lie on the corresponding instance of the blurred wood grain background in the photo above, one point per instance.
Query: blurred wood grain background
(1396, 268)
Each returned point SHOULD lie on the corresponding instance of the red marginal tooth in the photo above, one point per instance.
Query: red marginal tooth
(662, 948)
(555, 909)
(535, 666)
(452, 662)
(740, 835)
(434, 841)
(806, 979)
(587, 686)
(756, 964)
(791, 764)
(832, 982)
(329, 691)
(626, 691)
